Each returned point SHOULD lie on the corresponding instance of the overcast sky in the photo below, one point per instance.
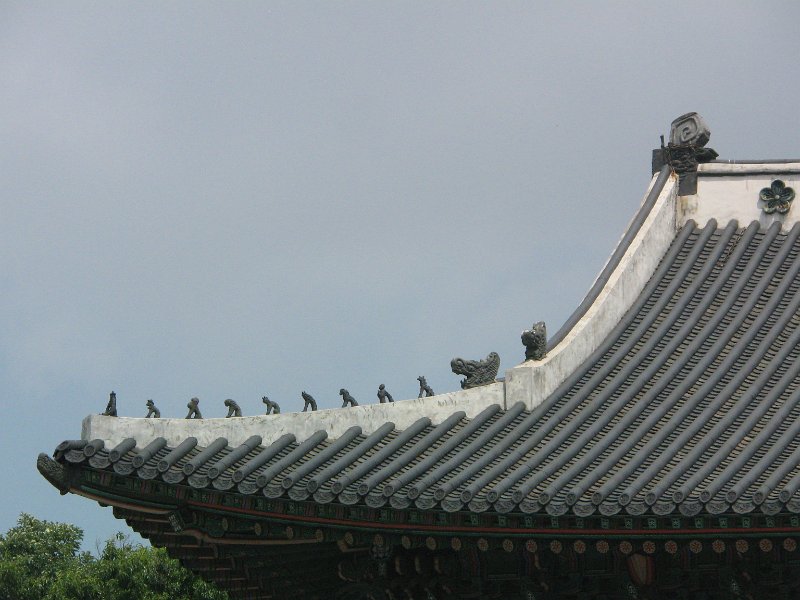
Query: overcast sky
(237, 199)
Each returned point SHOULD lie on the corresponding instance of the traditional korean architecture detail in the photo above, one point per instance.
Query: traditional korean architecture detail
(686, 150)
(233, 408)
(347, 399)
(424, 389)
(194, 409)
(648, 450)
(152, 410)
(111, 407)
(535, 341)
(308, 402)
(776, 197)
(384, 395)
(273, 408)
(476, 372)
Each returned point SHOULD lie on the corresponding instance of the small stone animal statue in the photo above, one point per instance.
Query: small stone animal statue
(424, 388)
(152, 410)
(347, 399)
(477, 372)
(383, 395)
(194, 411)
(233, 408)
(272, 407)
(535, 341)
(309, 401)
(111, 407)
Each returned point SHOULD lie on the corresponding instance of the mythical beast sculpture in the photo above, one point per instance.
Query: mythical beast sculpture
(152, 410)
(535, 341)
(477, 372)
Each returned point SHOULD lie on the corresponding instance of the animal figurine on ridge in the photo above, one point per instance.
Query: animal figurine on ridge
(477, 372)
(384, 395)
(347, 399)
(424, 388)
(233, 409)
(272, 407)
(194, 409)
(152, 410)
(111, 407)
(309, 401)
(535, 341)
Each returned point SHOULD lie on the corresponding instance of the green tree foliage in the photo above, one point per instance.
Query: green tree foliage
(41, 560)
(33, 553)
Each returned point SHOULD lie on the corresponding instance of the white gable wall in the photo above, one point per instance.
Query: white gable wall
(728, 192)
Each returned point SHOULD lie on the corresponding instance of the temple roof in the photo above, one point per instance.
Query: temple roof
(673, 391)
(662, 415)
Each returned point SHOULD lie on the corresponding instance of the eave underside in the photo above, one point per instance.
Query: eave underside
(257, 548)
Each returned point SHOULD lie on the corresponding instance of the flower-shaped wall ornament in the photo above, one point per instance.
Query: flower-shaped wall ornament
(777, 197)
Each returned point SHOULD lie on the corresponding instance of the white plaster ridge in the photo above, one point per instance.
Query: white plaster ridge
(112, 430)
(728, 192)
(533, 381)
(748, 169)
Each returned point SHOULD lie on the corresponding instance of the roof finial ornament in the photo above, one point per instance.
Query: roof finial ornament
(424, 388)
(535, 341)
(477, 372)
(347, 399)
(309, 402)
(233, 408)
(194, 410)
(687, 139)
(152, 410)
(272, 407)
(111, 407)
